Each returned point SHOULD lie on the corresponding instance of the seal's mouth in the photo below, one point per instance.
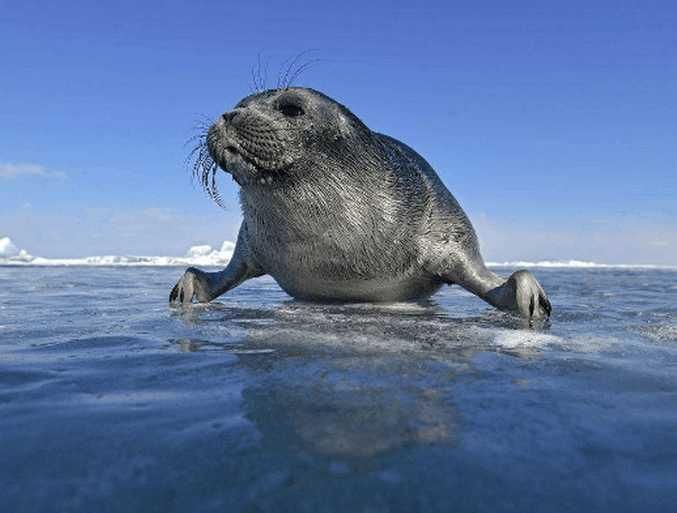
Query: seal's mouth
(245, 169)
(241, 167)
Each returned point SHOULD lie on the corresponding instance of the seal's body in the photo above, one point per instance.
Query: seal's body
(335, 212)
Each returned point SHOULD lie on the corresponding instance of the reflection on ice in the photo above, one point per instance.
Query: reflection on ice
(350, 421)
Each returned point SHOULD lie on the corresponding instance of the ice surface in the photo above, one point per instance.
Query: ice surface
(110, 400)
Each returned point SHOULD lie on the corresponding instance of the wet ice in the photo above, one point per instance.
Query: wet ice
(111, 400)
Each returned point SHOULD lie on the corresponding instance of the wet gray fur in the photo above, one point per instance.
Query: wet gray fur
(336, 212)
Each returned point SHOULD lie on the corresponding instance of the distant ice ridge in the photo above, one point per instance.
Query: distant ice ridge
(197, 255)
(7, 247)
(205, 255)
(9, 252)
(582, 264)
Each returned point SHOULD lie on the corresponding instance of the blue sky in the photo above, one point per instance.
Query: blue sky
(552, 123)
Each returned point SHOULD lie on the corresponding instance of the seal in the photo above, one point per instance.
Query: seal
(335, 212)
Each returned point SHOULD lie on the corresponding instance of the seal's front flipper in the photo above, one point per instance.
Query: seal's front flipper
(203, 286)
(520, 293)
(194, 284)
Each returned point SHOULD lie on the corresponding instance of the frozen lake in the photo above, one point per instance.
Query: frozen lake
(111, 401)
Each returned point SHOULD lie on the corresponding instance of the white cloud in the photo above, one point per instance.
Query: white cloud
(7, 248)
(14, 170)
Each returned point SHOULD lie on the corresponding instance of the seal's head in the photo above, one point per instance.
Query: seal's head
(277, 135)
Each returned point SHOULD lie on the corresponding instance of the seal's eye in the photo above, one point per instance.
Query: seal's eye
(290, 110)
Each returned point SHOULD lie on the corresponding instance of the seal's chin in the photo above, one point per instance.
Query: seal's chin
(233, 162)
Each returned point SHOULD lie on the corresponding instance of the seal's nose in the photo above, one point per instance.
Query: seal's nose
(229, 116)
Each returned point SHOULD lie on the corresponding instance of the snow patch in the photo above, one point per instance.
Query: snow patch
(510, 339)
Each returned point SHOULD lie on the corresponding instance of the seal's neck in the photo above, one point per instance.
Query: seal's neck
(305, 200)
(329, 202)
(329, 183)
